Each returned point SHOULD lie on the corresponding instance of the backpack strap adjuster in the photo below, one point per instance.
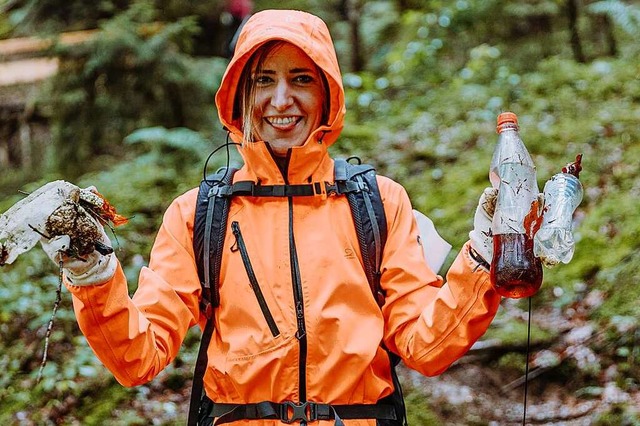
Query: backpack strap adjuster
(219, 191)
(291, 412)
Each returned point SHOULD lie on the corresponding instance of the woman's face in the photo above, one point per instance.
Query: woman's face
(288, 100)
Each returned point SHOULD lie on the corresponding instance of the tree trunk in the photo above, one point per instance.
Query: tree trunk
(610, 36)
(352, 8)
(576, 44)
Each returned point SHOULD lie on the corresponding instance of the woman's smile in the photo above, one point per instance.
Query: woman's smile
(283, 123)
(289, 96)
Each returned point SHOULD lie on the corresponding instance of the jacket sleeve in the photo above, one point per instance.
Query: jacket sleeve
(428, 322)
(135, 338)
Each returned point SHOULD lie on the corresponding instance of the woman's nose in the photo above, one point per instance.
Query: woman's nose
(282, 98)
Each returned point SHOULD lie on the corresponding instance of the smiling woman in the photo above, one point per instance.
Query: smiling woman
(288, 98)
(284, 97)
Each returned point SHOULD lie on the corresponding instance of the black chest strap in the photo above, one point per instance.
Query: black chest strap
(289, 412)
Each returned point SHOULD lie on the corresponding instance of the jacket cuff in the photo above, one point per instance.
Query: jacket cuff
(100, 273)
(479, 259)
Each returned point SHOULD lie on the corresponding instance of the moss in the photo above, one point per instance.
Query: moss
(618, 415)
(418, 410)
(514, 333)
(513, 361)
(620, 284)
(98, 408)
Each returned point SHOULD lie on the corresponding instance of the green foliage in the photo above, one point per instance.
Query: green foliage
(513, 362)
(619, 414)
(73, 374)
(418, 410)
(27, 292)
(137, 73)
(53, 16)
(178, 140)
(514, 333)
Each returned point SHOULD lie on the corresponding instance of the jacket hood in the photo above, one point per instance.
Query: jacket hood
(309, 33)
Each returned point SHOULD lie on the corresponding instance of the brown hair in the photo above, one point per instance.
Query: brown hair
(244, 102)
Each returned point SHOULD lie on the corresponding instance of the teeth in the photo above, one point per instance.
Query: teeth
(281, 120)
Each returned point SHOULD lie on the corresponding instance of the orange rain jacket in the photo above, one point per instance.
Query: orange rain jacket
(306, 258)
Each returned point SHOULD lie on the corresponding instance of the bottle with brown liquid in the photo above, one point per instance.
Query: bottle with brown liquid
(515, 271)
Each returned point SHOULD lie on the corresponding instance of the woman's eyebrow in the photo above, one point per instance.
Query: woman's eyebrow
(299, 70)
(291, 71)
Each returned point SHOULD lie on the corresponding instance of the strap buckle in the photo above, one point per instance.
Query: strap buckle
(331, 188)
(291, 412)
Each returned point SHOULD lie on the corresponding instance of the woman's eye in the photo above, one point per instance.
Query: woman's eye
(262, 79)
(304, 79)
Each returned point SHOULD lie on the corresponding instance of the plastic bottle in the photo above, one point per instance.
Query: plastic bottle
(515, 271)
(554, 243)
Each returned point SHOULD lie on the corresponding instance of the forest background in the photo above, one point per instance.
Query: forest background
(130, 110)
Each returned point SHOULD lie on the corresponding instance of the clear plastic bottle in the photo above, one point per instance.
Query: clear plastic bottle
(515, 271)
(554, 243)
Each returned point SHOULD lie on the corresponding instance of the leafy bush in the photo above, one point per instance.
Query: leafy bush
(136, 73)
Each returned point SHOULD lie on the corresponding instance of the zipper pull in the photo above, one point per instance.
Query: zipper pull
(300, 315)
(235, 228)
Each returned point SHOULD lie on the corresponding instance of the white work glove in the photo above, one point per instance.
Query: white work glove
(94, 268)
(481, 235)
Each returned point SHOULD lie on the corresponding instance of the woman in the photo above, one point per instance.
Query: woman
(282, 99)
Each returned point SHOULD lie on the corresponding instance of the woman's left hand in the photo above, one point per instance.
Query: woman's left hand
(481, 235)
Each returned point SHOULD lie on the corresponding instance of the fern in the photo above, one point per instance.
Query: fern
(181, 138)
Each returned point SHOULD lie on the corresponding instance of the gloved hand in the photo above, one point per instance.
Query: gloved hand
(481, 236)
(94, 268)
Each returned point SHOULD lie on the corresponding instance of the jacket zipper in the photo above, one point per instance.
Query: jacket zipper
(235, 227)
(296, 282)
(301, 334)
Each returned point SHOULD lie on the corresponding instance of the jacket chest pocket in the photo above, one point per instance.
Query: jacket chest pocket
(241, 247)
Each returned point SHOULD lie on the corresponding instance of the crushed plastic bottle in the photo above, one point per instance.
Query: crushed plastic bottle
(554, 242)
(515, 271)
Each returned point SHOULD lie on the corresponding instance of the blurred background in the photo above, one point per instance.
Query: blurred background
(119, 94)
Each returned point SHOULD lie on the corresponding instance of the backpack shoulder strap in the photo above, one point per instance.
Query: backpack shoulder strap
(210, 225)
(212, 209)
(358, 182)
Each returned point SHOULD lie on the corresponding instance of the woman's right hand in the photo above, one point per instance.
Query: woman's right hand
(94, 268)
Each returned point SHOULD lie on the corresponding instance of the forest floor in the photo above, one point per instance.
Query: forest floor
(477, 391)
(472, 395)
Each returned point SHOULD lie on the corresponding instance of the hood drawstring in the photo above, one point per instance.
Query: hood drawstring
(206, 163)
(323, 134)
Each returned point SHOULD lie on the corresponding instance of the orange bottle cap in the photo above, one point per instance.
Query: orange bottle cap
(506, 117)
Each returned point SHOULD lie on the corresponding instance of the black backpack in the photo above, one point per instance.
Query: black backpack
(355, 181)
